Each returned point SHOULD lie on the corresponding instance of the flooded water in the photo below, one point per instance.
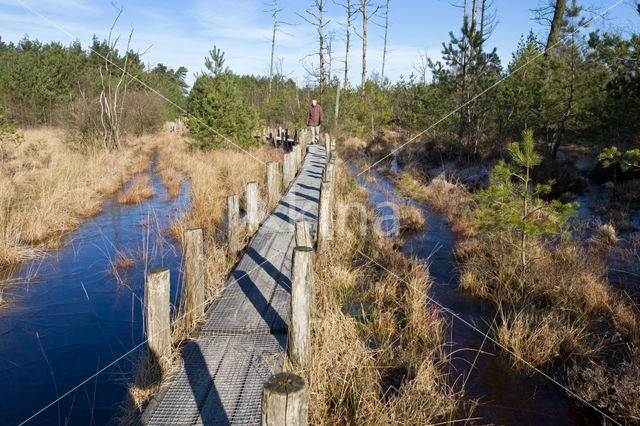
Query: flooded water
(623, 260)
(505, 397)
(72, 314)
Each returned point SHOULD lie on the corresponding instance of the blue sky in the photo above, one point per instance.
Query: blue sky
(181, 32)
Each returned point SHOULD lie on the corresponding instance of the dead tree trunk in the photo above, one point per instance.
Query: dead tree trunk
(386, 34)
(274, 14)
(347, 45)
(363, 7)
(113, 90)
(474, 13)
(320, 6)
(315, 17)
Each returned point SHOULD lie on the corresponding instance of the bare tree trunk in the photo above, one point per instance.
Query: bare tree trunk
(337, 111)
(556, 24)
(363, 8)
(386, 33)
(273, 45)
(484, 5)
(347, 44)
(474, 14)
(111, 106)
(320, 6)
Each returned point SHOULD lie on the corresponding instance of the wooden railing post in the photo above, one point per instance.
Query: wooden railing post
(157, 310)
(327, 146)
(233, 224)
(301, 301)
(288, 170)
(285, 400)
(303, 149)
(193, 275)
(323, 233)
(331, 177)
(251, 198)
(296, 157)
(303, 233)
(274, 181)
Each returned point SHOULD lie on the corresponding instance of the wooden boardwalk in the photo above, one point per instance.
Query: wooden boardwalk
(242, 342)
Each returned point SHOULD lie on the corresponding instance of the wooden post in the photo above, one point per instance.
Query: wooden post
(296, 156)
(288, 170)
(303, 233)
(301, 300)
(233, 224)
(323, 233)
(274, 181)
(156, 299)
(251, 198)
(327, 145)
(193, 275)
(303, 144)
(285, 400)
(331, 177)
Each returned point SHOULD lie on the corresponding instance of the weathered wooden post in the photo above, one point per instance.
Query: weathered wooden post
(303, 149)
(233, 224)
(301, 301)
(285, 400)
(327, 145)
(288, 170)
(193, 275)
(296, 156)
(251, 198)
(323, 233)
(156, 299)
(303, 233)
(331, 177)
(274, 181)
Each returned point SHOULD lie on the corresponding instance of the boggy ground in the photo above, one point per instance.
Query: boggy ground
(558, 314)
(48, 185)
(377, 346)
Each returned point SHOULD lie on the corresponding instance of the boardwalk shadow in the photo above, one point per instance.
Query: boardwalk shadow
(309, 187)
(305, 196)
(296, 208)
(268, 267)
(204, 391)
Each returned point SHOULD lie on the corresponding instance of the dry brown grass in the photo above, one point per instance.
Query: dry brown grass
(138, 191)
(411, 219)
(375, 340)
(171, 179)
(47, 186)
(539, 338)
(450, 199)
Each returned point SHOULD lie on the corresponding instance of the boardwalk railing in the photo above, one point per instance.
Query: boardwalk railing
(263, 280)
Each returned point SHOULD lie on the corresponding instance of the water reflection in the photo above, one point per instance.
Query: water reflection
(78, 308)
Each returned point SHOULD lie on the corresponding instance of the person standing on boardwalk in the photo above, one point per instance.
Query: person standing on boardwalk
(315, 116)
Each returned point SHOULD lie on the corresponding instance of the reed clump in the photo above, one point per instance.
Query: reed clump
(139, 191)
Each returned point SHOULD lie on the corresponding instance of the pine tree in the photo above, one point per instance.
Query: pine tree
(217, 108)
(512, 209)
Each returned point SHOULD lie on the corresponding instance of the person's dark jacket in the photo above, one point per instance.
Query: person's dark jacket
(315, 115)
